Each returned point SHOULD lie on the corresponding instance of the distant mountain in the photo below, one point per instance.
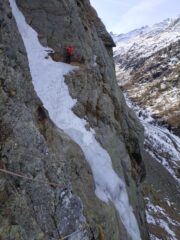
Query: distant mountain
(148, 67)
(147, 40)
(125, 37)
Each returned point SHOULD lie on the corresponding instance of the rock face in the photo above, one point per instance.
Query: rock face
(148, 68)
(58, 198)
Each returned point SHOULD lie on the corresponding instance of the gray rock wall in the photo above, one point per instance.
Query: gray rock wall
(30, 144)
(33, 146)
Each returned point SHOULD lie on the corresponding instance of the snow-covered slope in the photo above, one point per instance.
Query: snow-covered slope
(147, 66)
(164, 147)
(162, 144)
(148, 70)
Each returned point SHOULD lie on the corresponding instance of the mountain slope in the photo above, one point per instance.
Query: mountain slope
(162, 185)
(145, 41)
(148, 64)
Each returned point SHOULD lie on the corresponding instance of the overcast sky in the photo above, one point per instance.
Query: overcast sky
(121, 16)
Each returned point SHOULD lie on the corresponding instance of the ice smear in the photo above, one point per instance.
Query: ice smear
(48, 80)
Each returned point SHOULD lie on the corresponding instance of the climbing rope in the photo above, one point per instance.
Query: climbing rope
(28, 178)
(50, 183)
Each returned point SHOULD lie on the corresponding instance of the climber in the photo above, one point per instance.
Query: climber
(69, 53)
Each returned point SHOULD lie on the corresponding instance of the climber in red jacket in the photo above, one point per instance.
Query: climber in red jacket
(69, 53)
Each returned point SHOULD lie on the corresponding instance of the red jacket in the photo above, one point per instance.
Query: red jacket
(70, 50)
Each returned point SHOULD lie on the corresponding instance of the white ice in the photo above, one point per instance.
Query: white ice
(48, 80)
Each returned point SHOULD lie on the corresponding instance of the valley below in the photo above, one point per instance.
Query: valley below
(161, 187)
(147, 62)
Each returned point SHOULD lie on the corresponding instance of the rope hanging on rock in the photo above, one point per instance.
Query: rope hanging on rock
(28, 178)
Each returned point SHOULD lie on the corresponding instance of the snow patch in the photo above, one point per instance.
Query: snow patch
(151, 215)
(152, 237)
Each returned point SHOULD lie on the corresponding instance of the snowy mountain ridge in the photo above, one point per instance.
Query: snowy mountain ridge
(146, 40)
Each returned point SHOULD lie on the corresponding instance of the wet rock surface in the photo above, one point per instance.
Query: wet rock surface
(33, 146)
